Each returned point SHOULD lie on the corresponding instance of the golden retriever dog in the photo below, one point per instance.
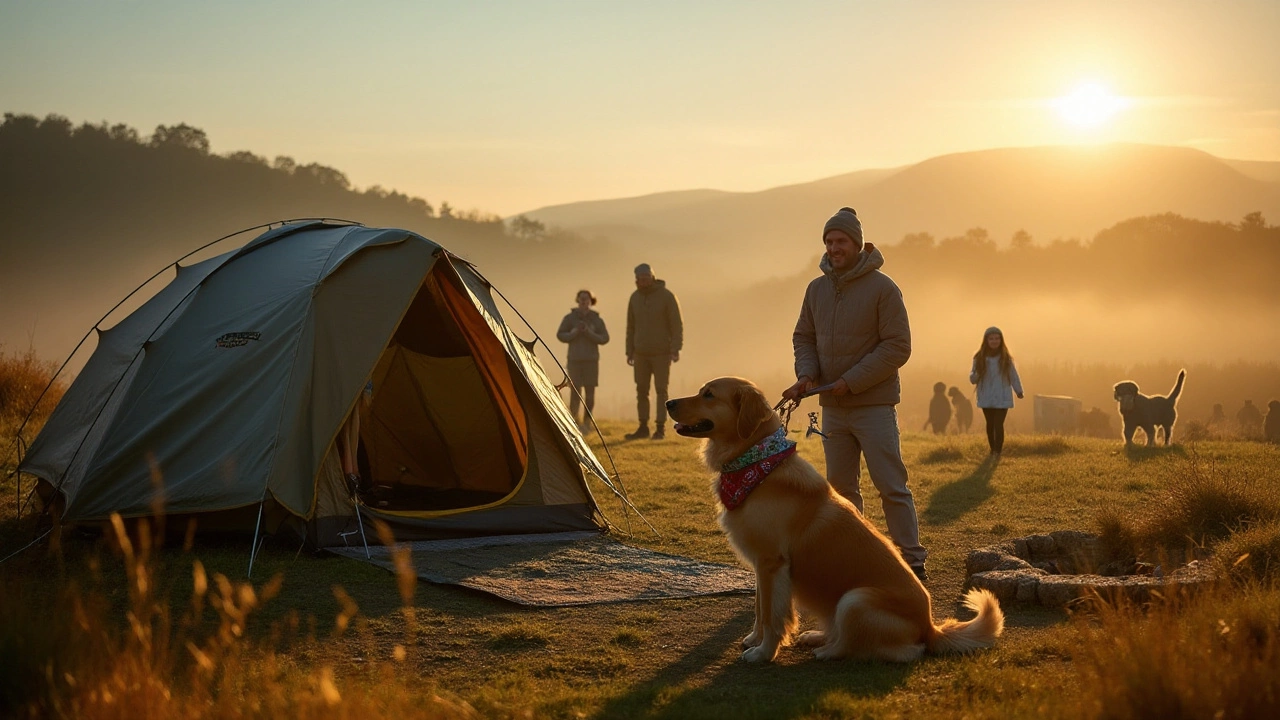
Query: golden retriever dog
(811, 548)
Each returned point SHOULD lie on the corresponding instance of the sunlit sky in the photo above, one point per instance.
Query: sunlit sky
(508, 106)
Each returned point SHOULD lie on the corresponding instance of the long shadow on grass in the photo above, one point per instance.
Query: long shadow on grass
(742, 690)
(1142, 453)
(951, 501)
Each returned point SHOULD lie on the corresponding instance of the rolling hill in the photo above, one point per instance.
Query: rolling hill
(1051, 192)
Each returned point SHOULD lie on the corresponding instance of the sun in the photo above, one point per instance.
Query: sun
(1089, 105)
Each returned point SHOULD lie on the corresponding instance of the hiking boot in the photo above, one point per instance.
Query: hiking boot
(641, 433)
(920, 573)
(658, 434)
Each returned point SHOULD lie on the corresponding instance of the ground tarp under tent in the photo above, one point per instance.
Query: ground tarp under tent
(221, 397)
(560, 569)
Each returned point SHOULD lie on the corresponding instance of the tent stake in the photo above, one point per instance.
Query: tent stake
(254, 552)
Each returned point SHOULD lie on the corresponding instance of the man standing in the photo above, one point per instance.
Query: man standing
(853, 335)
(655, 334)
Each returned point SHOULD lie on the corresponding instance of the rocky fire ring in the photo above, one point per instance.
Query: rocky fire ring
(1053, 570)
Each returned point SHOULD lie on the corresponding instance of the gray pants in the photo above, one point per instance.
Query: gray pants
(659, 368)
(873, 430)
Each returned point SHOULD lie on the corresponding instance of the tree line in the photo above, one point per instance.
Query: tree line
(108, 194)
(1166, 253)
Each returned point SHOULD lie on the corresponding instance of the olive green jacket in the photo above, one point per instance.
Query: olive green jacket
(654, 326)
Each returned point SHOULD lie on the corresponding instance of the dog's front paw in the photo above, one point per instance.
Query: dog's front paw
(759, 654)
(751, 640)
(811, 638)
(827, 652)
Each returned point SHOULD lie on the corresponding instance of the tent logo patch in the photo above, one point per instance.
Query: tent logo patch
(237, 339)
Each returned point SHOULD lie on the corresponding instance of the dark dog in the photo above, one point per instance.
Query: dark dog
(963, 408)
(939, 409)
(1148, 413)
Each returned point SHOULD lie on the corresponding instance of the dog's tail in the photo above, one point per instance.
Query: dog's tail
(981, 632)
(1177, 389)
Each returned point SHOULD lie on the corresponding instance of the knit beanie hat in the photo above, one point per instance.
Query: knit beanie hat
(992, 329)
(644, 269)
(846, 220)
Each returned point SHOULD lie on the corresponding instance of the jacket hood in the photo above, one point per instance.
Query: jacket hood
(869, 259)
(656, 284)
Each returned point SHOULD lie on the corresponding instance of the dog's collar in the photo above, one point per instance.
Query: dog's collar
(772, 445)
(744, 473)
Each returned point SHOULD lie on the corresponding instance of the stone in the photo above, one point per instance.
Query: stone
(1020, 549)
(1040, 546)
(992, 558)
(1007, 585)
(1057, 591)
(982, 560)
(1074, 542)
(1028, 588)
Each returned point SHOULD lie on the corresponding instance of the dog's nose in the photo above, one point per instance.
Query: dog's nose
(671, 405)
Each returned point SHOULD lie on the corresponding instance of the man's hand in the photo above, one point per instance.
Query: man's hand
(841, 388)
(801, 387)
(631, 359)
(675, 356)
(1019, 396)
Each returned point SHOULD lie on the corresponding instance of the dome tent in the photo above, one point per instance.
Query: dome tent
(221, 398)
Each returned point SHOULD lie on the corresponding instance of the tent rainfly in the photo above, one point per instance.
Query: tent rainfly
(220, 398)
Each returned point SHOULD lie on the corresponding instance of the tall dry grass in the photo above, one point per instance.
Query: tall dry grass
(1209, 653)
(79, 655)
(1206, 509)
(1213, 654)
(23, 376)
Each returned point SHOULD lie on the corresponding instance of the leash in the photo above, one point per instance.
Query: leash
(785, 407)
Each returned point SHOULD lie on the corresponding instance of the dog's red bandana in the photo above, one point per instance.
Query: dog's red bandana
(738, 480)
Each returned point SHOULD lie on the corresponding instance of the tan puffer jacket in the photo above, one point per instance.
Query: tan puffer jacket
(854, 326)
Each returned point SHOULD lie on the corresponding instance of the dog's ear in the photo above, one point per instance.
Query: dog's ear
(753, 409)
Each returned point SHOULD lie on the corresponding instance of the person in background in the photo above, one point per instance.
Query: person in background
(997, 380)
(939, 409)
(1272, 429)
(1250, 419)
(584, 331)
(655, 334)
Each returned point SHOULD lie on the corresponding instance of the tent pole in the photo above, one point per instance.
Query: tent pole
(360, 524)
(253, 553)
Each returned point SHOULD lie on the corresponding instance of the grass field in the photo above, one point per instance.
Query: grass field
(335, 638)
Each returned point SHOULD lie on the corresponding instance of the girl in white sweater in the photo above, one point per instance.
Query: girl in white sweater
(997, 380)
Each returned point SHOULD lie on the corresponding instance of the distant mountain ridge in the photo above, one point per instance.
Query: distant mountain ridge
(1050, 192)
